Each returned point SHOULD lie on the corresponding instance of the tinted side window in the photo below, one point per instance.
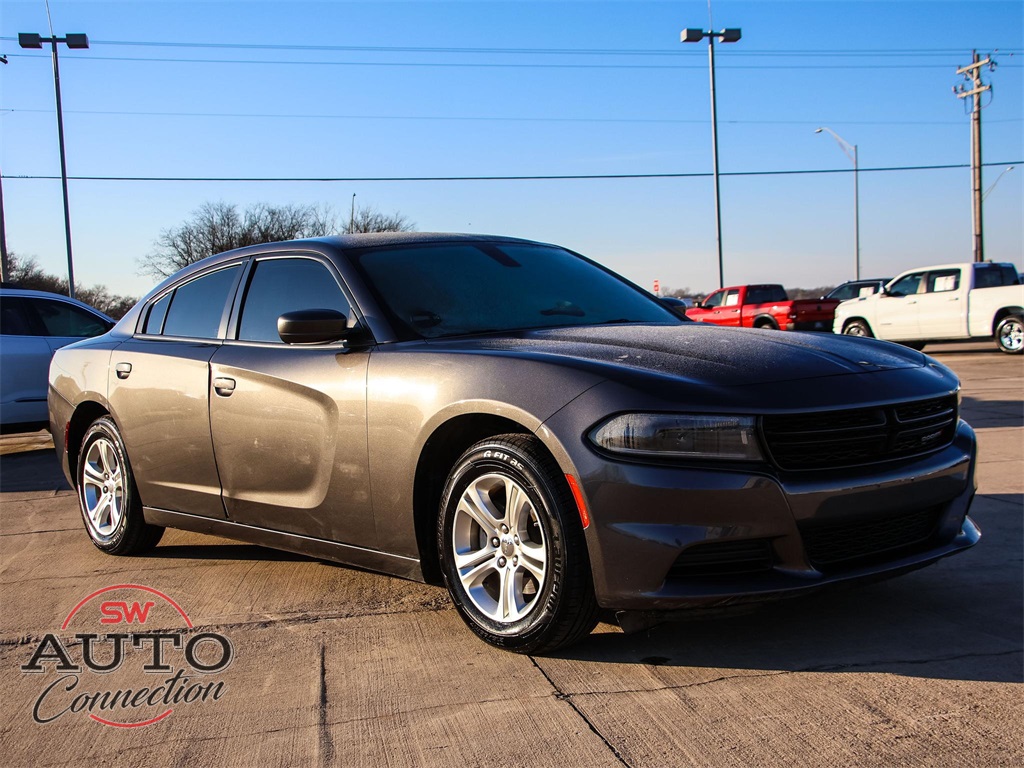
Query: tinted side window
(63, 319)
(764, 294)
(13, 321)
(844, 292)
(946, 280)
(714, 300)
(157, 313)
(993, 276)
(197, 307)
(285, 285)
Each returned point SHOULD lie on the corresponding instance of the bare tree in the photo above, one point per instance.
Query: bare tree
(26, 273)
(369, 219)
(218, 226)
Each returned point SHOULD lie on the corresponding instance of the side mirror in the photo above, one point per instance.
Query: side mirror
(312, 326)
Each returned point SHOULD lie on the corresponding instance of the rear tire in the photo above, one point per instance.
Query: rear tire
(512, 548)
(107, 496)
(858, 328)
(1010, 335)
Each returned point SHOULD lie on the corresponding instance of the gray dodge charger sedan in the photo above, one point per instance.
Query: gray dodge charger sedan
(515, 421)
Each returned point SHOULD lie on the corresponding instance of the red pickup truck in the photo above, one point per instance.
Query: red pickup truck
(764, 306)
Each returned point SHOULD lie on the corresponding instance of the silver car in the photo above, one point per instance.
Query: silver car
(34, 325)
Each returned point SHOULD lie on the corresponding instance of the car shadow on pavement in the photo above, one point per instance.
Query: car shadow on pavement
(248, 552)
(992, 413)
(960, 619)
(31, 471)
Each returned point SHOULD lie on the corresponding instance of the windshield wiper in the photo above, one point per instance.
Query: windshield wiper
(564, 308)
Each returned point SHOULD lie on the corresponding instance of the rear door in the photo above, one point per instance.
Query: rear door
(25, 363)
(941, 309)
(289, 421)
(159, 391)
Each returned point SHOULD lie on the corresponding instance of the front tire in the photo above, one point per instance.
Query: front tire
(512, 548)
(1010, 335)
(107, 495)
(858, 328)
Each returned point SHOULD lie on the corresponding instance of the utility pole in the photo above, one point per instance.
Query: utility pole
(4, 269)
(974, 88)
(76, 41)
(726, 36)
(4, 259)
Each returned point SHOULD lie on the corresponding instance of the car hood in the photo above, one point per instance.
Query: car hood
(699, 352)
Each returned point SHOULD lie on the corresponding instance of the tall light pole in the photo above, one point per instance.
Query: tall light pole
(726, 36)
(851, 152)
(33, 40)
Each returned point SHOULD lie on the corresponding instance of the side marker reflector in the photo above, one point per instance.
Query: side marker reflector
(581, 505)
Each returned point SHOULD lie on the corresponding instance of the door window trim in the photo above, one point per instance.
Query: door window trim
(229, 303)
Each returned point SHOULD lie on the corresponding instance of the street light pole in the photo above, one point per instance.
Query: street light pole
(32, 40)
(726, 36)
(851, 152)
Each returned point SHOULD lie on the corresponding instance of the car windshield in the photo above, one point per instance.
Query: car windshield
(453, 289)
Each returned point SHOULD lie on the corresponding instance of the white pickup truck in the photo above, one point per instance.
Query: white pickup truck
(942, 303)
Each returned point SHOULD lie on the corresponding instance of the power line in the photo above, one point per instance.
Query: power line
(545, 177)
(489, 118)
(493, 65)
(849, 52)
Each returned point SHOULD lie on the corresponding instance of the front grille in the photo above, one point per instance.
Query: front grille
(829, 439)
(836, 545)
(724, 558)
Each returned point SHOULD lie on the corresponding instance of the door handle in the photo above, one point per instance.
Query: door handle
(123, 370)
(224, 386)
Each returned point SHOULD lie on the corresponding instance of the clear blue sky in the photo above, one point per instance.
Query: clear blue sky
(524, 88)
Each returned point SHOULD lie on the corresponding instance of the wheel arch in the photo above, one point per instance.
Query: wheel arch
(446, 443)
(766, 321)
(85, 414)
(1003, 313)
(857, 319)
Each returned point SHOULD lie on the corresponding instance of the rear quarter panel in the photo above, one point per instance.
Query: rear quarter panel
(984, 303)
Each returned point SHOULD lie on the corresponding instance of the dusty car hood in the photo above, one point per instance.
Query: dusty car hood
(710, 354)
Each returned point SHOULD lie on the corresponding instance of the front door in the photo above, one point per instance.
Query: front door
(288, 421)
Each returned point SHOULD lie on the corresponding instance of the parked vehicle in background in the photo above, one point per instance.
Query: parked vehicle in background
(33, 325)
(763, 306)
(855, 289)
(947, 302)
(513, 420)
(677, 305)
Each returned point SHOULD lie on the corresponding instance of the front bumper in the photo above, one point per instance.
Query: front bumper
(669, 537)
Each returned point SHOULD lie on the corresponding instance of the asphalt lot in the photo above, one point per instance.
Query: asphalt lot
(333, 665)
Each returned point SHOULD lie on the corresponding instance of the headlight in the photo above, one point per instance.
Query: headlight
(679, 436)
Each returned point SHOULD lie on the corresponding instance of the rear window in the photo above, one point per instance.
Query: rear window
(59, 318)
